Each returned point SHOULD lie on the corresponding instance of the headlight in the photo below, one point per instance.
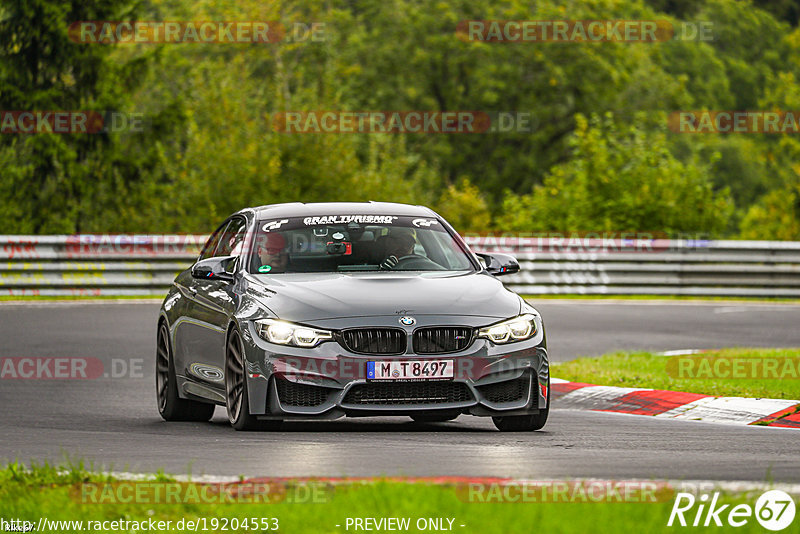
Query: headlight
(516, 329)
(284, 333)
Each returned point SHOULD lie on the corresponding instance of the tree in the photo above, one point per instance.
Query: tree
(54, 183)
(464, 206)
(775, 216)
(620, 178)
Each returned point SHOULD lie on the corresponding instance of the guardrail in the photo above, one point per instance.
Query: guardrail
(147, 264)
(94, 264)
(651, 267)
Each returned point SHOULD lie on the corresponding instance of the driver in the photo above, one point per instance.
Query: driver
(273, 254)
(399, 243)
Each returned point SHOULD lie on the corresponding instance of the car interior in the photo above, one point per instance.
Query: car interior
(342, 248)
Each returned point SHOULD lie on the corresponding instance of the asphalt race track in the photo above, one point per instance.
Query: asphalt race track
(113, 422)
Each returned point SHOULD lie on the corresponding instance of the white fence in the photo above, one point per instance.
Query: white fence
(146, 265)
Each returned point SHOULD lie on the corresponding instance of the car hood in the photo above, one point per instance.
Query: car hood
(310, 297)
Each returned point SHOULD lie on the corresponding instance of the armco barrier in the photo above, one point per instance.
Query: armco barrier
(146, 265)
(650, 266)
(94, 264)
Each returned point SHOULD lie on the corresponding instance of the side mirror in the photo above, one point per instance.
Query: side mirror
(500, 264)
(214, 268)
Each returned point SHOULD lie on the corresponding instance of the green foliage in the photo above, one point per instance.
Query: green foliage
(62, 183)
(464, 207)
(209, 147)
(619, 178)
(775, 216)
(490, 510)
(648, 370)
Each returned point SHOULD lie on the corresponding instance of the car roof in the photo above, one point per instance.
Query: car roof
(301, 209)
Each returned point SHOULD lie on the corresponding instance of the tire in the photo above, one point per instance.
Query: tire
(170, 405)
(236, 396)
(433, 418)
(524, 423)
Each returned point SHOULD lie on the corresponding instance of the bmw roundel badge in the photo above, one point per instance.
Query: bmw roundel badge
(407, 321)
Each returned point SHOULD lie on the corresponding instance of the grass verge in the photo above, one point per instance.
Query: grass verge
(648, 370)
(45, 492)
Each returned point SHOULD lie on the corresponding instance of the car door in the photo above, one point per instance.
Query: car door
(184, 329)
(214, 303)
(190, 332)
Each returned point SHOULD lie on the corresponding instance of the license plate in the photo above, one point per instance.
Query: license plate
(409, 370)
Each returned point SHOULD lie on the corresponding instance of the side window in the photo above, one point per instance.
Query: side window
(213, 241)
(453, 258)
(231, 242)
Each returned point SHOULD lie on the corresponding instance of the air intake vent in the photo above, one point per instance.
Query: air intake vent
(294, 394)
(442, 339)
(374, 340)
(405, 393)
(508, 391)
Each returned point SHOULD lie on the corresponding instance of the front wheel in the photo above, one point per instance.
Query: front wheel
(524, 423)
(236, 396)
(170, 405)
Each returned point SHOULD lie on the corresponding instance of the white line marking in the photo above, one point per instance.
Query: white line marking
(745, 309)
(597, 394)
(732, 410)
(680, 352)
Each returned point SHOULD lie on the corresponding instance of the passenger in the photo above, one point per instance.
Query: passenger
(273, 253)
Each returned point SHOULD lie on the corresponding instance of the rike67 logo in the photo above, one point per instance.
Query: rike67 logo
(774, 510)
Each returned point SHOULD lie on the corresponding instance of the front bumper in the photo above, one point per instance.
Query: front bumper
(328, 381)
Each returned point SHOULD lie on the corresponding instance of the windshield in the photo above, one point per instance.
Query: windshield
(345, 243)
